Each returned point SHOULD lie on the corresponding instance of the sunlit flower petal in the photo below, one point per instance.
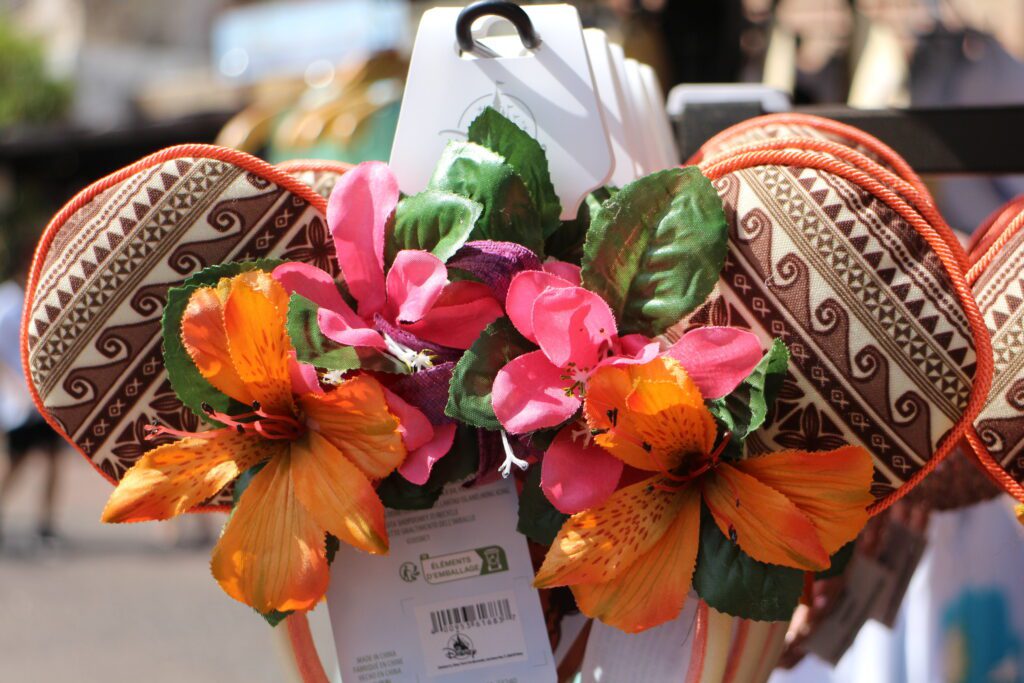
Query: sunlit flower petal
(459, 315)
(529, 393)
(832, 488)
(419, 463)
(358, 211)
(600, 544)
(272, 555)
(337, 495)
(763, 522)
(577, 474)
(174, 478)
(522, 295)
(414, 284)
(258, 342)
(355, 418)
(654, 588)
(202, 333)
(573, 325)
(717, 358)
(319, 287)
(569, 272)
(650, 416)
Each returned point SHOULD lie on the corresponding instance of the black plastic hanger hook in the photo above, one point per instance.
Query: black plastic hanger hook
(498, 8)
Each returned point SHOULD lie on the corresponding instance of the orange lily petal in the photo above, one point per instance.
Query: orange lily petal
(272, 555)
(337, 495)
(355, 419)
(766, 525)
(654, 588)
(832, 488)
(597, 545)
(202, 332)
(174, 478)
(258, 340)
(652, 415)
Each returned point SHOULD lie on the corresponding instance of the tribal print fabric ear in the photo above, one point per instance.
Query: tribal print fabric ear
(835, 257)
(997, 278)
(98, 286)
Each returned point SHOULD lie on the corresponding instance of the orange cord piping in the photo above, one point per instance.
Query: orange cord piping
(947, 256)
(311, 669)
(699, 650)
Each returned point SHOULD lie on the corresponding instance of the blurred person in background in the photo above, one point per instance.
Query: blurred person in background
(24, 429)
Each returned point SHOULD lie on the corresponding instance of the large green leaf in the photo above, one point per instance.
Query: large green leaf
(744, 410)
(539, 520)
(310, 344)
(469, 397)
(475, 172)
(438, 222)
(655, 250)
(526, 156)
(734, 583)
(191, 387)
(460, 463)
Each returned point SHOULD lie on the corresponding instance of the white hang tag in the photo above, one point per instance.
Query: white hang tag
(630, 115)
(453, 600)
(668, 153)
(609, 89)
(642, 107)
(548, 91)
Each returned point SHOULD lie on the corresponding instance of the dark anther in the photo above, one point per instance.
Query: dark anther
(598, 432)
(732, 533)
(207, 408)
(240, 429)
(255, 405)
(647, 447)
(613, 416)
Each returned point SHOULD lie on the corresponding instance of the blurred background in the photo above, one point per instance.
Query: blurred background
(88, 86)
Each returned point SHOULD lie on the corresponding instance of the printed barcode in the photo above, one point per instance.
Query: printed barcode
(448, 619)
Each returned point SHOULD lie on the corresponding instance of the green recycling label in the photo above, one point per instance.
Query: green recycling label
(464, 565)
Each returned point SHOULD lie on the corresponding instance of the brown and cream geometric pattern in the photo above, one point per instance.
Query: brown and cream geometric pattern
(1000, 293)
(882, 354)
(93, 335)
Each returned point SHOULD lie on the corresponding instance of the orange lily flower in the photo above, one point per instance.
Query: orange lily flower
(322, 452)
(630, 561)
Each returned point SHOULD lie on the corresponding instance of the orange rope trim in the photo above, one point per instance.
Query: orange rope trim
(982, 239)
(949, 258)
(246, 161)
(854, 135)
(922, 202)
(315, 165)
(699, 650)
(306, 658)
(981, 453)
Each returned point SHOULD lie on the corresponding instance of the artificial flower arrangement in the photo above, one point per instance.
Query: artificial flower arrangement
(472, 334)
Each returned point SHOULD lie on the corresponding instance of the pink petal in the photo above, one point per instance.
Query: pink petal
(303, 376)
(566, 271)
(717, 358)
(358, 211)
(318, 286)
(576, 477)
(572, 325)
(632, 344)
(414, 283)
(522, 295)
(529, 394)
(418, 464)
(644, 355)
(415, 427)
(336, 328)
(459, 315)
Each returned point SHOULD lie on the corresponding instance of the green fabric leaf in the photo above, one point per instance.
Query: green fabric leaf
(190, 386)
(539, 520)
(438, 222)
(744, 410)
(469, 394)
(477, 173)
(310, 344)
(461, 462)
(734, 583)
(655, 250)
(526, 156)
(840, 559)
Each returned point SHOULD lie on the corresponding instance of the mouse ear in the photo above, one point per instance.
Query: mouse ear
(997, 278)
(847, 261)
(91, 336)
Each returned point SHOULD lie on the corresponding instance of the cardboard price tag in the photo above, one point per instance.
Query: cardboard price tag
(548, 91)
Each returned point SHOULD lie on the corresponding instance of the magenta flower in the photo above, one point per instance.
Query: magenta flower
(415, 299)
(576, 332)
